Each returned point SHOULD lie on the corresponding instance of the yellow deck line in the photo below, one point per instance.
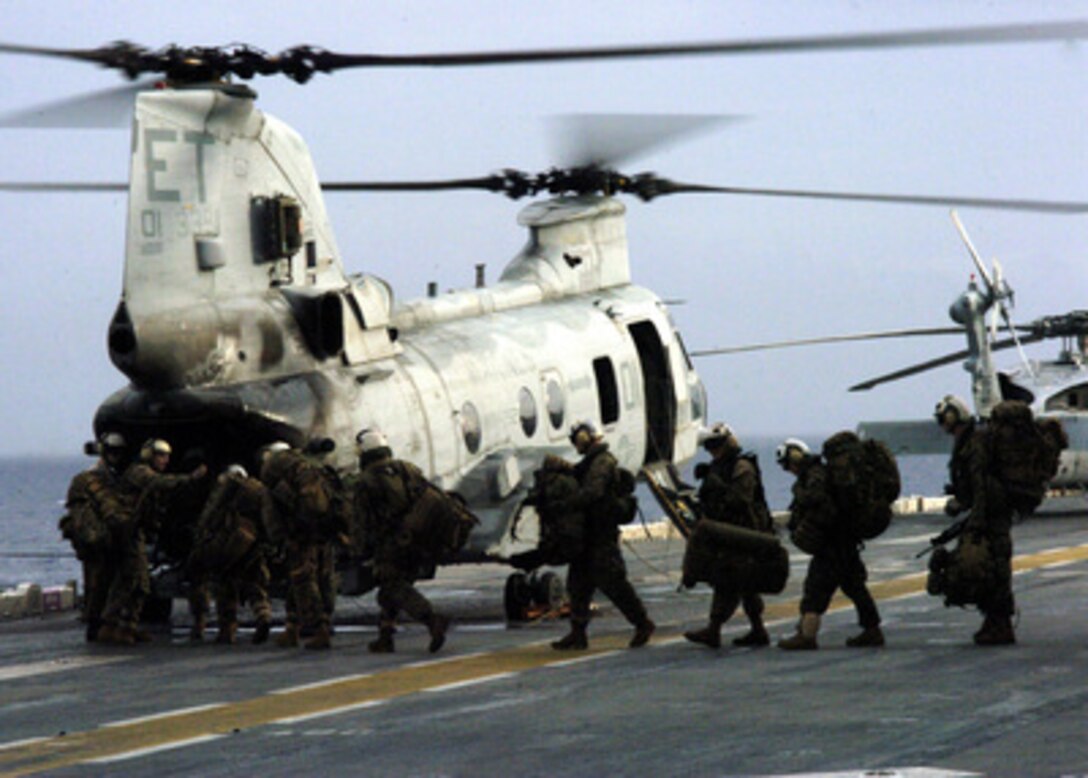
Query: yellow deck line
(119, 739)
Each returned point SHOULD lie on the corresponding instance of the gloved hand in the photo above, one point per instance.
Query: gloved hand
(952, 507)
(701, 470)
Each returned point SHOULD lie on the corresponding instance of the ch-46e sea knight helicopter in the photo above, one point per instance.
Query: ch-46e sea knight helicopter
(1055, 388)
(238, 324)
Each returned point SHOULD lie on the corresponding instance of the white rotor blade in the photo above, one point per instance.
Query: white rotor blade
(971, 249)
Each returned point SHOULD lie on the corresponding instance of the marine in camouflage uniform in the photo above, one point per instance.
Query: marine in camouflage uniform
(600, 564)
(151, 492)
(974, 489)
(93, 507)
(299, 507)
(149, 489)
(229, 550)
(731, 492)
(836, 558)
(386, 490)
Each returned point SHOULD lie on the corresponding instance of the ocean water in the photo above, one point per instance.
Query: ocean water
(32, 500)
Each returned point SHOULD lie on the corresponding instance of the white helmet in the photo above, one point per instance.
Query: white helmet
(112, 440)
(716, 432)
(153, 446)
(274, 448)
(236, 470)
(790, 449)
(584, 425)
(370, 439)
(954, 405)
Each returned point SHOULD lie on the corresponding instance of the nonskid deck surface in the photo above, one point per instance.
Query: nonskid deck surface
(499, 700)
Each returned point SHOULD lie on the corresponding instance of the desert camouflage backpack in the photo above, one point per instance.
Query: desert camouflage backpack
(1023, 452)
(864, 482)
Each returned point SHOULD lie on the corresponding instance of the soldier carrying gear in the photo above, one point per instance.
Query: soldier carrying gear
(296, 520)
(386, 491)
(600, 563)
(731, 492)
(816, 527)
(94, 506)
(228, 548)
(986, 537)
(148, 489)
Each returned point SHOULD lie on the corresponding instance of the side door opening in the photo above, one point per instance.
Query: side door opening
(657, 388)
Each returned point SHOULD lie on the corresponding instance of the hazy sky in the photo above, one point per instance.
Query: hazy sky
(993, 121)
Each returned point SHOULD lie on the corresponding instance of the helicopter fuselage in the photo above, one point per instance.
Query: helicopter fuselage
(238, 325)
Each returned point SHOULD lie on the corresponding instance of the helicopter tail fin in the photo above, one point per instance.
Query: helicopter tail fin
(227, 230)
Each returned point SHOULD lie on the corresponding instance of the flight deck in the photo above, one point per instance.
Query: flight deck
(497, 700)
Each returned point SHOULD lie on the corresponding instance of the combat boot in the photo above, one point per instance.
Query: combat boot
(260, 634)
(756, 636)
(798, 642)
(227, 632)
(870, 637)
(321, 639)
(996, 632)
(642, 634)
(289, 638)
(575, 640)
(710, 635)
(111, 634)
(438, 625)
(93, 626)
(384, 642)
(805, 638)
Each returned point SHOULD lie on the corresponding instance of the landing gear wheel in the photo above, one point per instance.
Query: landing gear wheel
(517, 596)
(549, 591)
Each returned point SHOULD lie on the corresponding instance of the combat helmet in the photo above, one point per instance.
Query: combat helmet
(370, 439)
(154, 446)
(585, 425)
(791, 451)
(717, 435)
(954, 407)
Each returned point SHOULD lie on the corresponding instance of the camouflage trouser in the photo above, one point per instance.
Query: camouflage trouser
(326, 577)
(396, 593)
(602, 567)
(304, 606)
(999, 602)
(839, 567)
(198, 599)
(247, 581)
(129, 585)
(97, 571)
(725, 603)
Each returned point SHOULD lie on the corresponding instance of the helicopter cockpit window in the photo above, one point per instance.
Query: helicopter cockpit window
(527, 411)
(555, 402)
(470, 427)
(276, 226)
(608, 395)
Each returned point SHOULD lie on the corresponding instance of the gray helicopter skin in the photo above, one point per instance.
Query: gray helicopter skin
(238, 325)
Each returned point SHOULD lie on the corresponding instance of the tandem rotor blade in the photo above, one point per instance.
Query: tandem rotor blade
(1009, 204)
(604, 140)
(301, 62)
(107, 109)
(923, 331)
(648, 186)
(947, 359)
